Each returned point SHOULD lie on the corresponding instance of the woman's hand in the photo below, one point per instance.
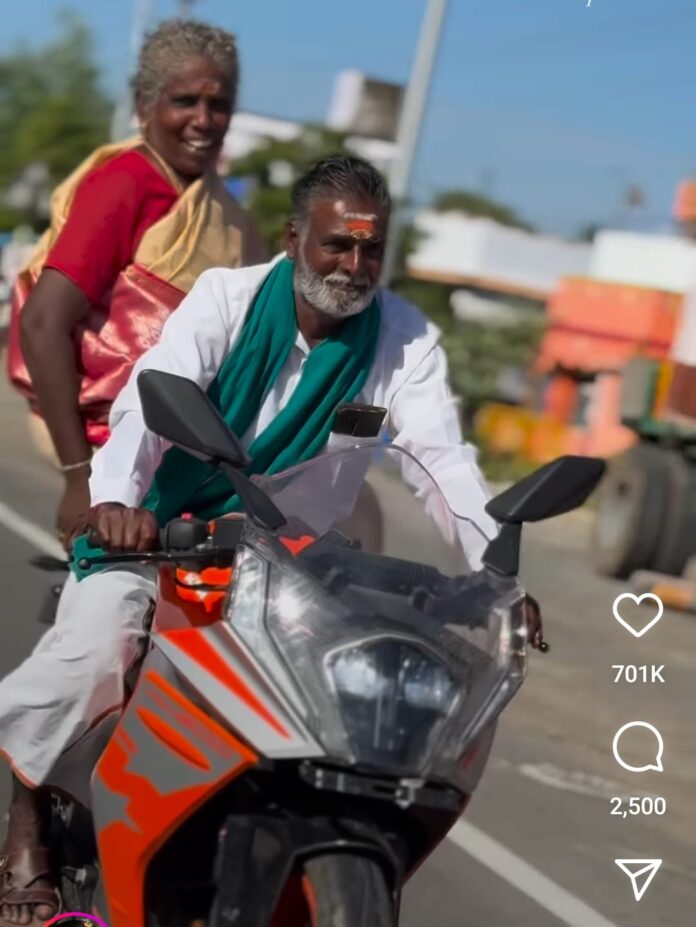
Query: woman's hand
(124, 529)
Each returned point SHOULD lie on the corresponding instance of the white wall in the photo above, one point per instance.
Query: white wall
(661, 262)
(248, 130)
(465, 247)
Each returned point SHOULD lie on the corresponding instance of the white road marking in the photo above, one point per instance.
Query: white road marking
(574, 781)
(40, 538)
(566, 907)
(525, 878)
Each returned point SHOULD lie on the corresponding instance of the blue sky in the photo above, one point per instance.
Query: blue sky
(551, 105)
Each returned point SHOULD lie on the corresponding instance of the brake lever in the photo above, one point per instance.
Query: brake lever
(161, 556)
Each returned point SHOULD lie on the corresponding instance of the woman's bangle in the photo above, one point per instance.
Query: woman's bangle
(67, 468)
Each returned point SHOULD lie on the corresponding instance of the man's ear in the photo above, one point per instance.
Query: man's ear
(292, 240)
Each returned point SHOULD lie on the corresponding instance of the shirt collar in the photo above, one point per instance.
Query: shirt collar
(301, 343)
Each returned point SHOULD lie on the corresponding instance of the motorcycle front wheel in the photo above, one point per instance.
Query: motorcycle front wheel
(347, 891)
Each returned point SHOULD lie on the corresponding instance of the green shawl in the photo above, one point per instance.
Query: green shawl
(334, 373)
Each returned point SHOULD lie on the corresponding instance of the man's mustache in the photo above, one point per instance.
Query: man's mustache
(346, 280)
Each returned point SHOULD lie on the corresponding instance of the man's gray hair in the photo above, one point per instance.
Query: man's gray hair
(174, 40)
(335, 176)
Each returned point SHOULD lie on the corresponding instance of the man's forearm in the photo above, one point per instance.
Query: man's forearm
(123, 469)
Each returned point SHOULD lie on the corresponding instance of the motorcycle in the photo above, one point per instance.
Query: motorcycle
(311, 715)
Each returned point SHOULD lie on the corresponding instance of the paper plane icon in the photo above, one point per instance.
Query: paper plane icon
(641, 872)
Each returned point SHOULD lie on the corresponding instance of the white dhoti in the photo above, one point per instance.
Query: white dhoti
(74, 678)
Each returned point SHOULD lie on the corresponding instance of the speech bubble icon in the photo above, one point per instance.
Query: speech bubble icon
(654, 767)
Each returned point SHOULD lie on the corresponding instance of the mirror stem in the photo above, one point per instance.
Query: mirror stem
(254, 500)
(503, 553)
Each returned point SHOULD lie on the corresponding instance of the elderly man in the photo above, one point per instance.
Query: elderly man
(279, 347)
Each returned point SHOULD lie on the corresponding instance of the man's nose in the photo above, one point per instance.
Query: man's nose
(354, 263)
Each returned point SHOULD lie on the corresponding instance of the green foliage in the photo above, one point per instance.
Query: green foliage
(431, 298)
(588, 232)
(474, 204)
(51, 108)
(268, 203)
(478, 353)
(504, 468)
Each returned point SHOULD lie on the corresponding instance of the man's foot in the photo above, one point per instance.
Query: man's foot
(28, 895)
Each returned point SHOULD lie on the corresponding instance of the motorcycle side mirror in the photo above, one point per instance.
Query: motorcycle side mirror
(177, 409)
(554, 489)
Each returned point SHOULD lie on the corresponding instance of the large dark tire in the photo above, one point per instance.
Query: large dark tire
(347, 891)
(630, 511)
(677, 542)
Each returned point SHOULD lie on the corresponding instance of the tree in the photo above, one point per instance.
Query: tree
(52, 110)
(478, 353)
(588, 232)
(271, 170)
(475, 204)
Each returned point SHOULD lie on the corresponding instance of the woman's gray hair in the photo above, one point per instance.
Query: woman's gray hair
(177, 39)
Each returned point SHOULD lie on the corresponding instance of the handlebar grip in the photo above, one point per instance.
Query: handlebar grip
(183, 533)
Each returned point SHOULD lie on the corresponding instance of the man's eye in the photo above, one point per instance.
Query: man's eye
(184, 100)
(219, 105)
(374, 250)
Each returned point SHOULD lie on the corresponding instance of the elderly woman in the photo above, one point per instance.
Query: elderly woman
(131, 230)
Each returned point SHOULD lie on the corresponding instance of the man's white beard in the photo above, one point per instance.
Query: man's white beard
(334, 295)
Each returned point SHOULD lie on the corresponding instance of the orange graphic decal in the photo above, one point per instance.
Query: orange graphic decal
(127, 846)
(191, 642)
(173, 739)
(297, 545)
(188, 580)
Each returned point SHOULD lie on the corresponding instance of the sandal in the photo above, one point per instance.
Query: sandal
(19, 870)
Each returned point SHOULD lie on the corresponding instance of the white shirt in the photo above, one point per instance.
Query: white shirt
(408, 377)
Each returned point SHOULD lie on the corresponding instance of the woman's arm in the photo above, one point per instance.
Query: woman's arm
(52, 311)
(48, 319)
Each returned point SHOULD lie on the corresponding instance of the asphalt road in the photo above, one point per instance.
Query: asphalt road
(538, 845)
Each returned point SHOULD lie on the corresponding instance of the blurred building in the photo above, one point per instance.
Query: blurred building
(364, 108)
(482, 254)
(500, 276)
(619, 338)
(483, 260)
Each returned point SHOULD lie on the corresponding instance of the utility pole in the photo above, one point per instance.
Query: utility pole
(121, 120)
(410, 124)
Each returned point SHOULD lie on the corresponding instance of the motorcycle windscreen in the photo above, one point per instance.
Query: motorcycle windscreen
(386, 499)
(402, 654)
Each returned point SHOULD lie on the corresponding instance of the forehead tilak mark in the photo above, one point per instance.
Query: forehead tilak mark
(360, 225)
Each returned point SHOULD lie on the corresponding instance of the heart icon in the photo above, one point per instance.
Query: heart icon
(638, 599)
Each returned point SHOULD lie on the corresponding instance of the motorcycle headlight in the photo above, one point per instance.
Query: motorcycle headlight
(393, 699)
(247, 601)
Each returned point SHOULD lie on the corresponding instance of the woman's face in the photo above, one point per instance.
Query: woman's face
(187, 124)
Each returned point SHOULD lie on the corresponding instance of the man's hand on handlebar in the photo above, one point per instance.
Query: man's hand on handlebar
(118, 528)
(534, 624)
